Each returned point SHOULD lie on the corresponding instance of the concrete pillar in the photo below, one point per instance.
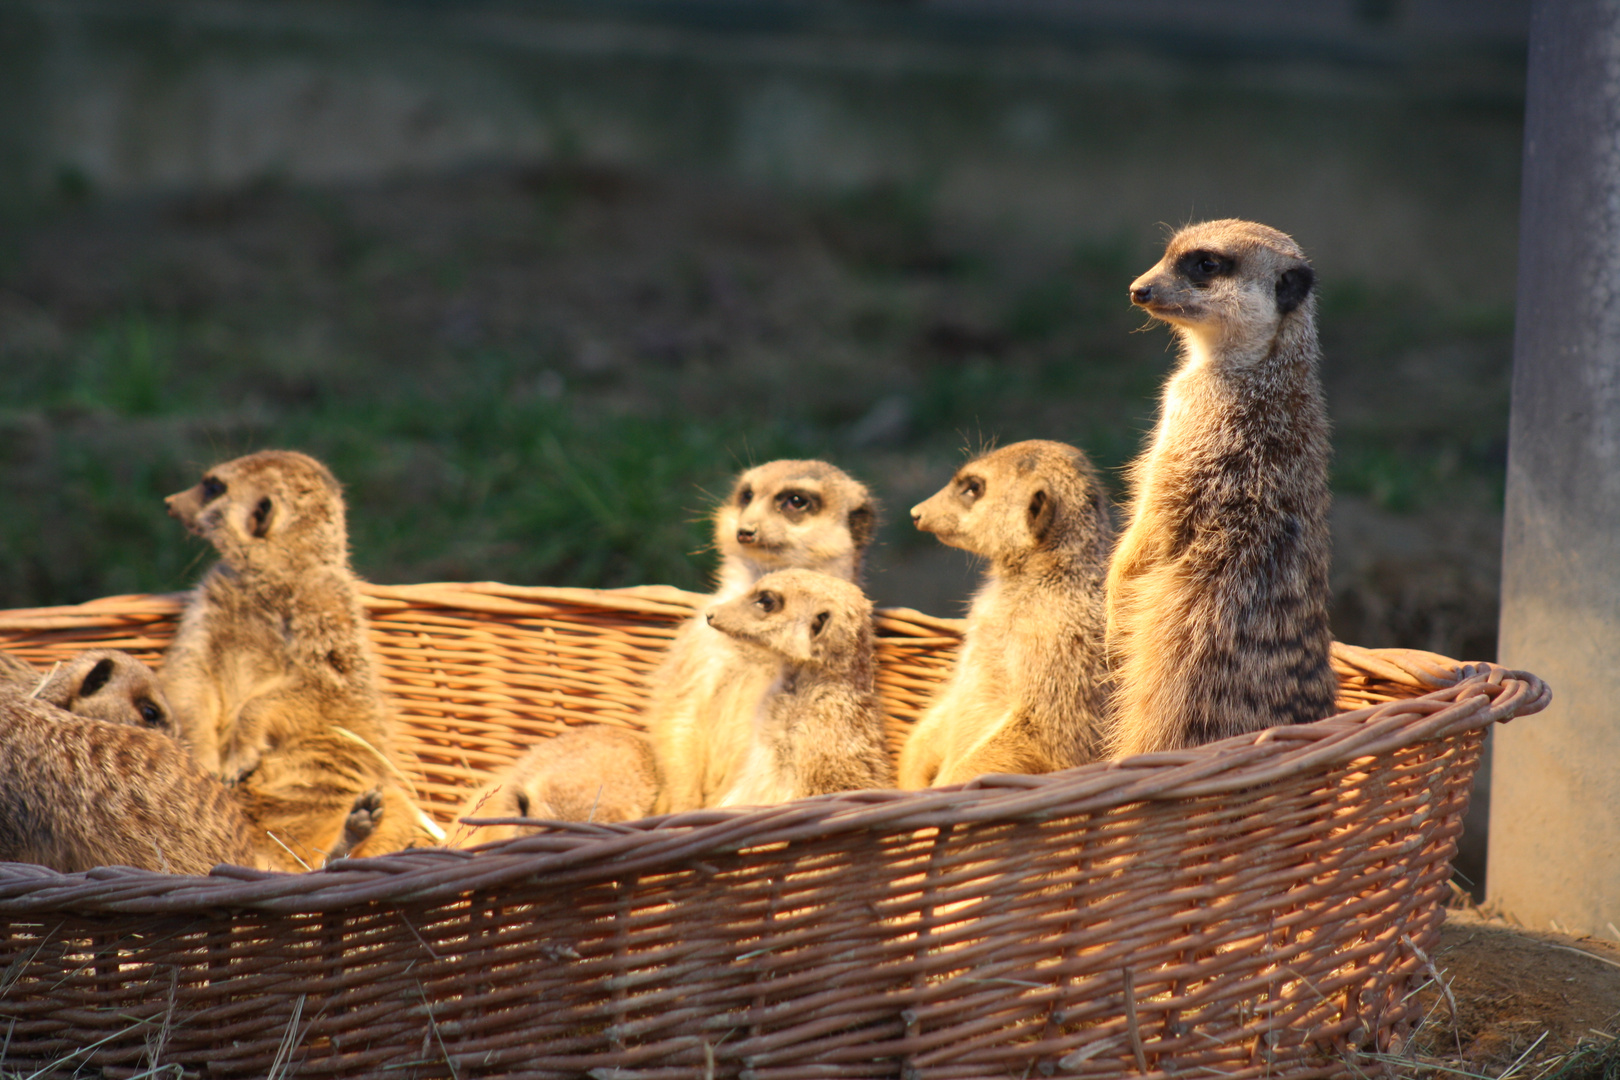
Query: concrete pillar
(1555, 798)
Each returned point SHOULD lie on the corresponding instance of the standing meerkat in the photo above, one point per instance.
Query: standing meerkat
(1029, 693)
(591, 773)
(77, 792)
(1217, 594)
(819, 727)
(779, 515)
(270, 674)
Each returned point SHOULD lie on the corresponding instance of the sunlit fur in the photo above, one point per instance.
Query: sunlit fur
(1217, 593)
(270, 674)
(592, 773)
(705, 693)
(1029, 693)
(818, 727)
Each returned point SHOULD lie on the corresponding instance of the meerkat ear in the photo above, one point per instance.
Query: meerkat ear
(1293, 287)
(261, 517)
(523, 803)
(862, 520)
(97, 678)
(1042, 511)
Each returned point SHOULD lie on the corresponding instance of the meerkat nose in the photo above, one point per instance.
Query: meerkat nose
(1141, 294)
(747, 535)
(708, 616)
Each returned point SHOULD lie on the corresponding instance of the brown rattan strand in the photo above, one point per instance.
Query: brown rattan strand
(1255, 908)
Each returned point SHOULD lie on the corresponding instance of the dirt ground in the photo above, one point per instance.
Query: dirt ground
(1533, 1003)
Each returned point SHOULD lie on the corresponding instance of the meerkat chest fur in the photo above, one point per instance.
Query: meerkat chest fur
(1217, 592)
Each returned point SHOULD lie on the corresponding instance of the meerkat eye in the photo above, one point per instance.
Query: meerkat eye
(819, 623)
(971, 488)
(212, 488)
(745, 496)
(768, 602)
(150, 713)
(523, 803)
(795, 503)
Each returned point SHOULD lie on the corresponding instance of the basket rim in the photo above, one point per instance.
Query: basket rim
(1459, 697)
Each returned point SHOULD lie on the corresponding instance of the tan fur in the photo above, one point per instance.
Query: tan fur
(77, 792)
(110, 685)
(779, 515)
(270, 674)
(819, 727)
(591, 773)
(1217, 594)
(1029, 692)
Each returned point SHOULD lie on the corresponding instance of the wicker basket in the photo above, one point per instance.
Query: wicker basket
(1253, 908)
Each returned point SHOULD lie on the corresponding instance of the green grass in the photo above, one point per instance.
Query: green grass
(547, 378)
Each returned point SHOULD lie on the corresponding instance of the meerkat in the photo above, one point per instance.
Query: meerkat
(270, 674)
(819, 726)
(1029, 693)
(592, 773)
(1218, 590)
(77, 792)
(780, 515)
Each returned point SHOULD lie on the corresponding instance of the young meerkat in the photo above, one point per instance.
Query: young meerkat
(1218, 591)
(819, 727)
(1029, 693)
(591, 773)
(77, 792)
(270, 673)
(779, 515)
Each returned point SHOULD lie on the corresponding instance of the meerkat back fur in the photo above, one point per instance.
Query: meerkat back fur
(592, 773)
(270, 673)
(779, 515)
(1029, 693)
(77, 792)
(1217, 594)
(819, 726)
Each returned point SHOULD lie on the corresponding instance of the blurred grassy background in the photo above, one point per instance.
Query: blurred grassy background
(544, 375)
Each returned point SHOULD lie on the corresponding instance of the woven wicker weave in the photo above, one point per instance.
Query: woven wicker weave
(1252, 908)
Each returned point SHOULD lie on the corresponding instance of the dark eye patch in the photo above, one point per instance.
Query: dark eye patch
(1202, 267)
(745, 495)
(970, 488)
(212, 488)
(768, 601)
(797, 502)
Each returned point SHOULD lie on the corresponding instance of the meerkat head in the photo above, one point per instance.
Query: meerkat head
(802, 616)
(1026, 497)
(111, 685)
(276, 508)
(1226, 283)
(785, 514)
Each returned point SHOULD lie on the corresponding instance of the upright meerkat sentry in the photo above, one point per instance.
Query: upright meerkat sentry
(592, 773)
(270, 674)
(1030, 690)
(77, 792)
(1218, 591)
(819, 727)
(779, 515)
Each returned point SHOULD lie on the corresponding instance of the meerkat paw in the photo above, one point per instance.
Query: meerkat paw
(363, 819)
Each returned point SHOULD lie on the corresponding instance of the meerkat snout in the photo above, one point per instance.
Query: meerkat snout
(1141, 294)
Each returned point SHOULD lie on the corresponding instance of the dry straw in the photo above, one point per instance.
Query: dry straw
(1255, 908)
